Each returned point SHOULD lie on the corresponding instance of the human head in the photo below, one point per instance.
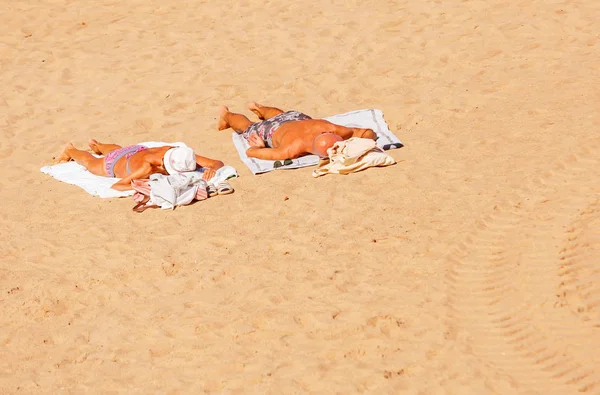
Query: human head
(179, 159)
(323, 142)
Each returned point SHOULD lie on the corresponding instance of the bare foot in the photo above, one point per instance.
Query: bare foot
(64, 155)
(94, 146)
(255, 108)
(222, 123)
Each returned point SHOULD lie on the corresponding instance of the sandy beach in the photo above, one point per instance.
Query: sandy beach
(469, 267)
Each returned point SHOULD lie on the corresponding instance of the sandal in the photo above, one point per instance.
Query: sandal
(201, 193)
(224, 188)
(212, 190)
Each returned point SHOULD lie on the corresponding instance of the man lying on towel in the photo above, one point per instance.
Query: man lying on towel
(137, 162)
(286, 135)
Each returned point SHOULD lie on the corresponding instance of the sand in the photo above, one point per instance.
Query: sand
(470, 267)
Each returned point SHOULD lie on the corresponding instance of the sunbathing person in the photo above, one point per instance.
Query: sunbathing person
(286, 135)
(137, 161)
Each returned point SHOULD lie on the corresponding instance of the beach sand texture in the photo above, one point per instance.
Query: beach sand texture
(470, 267)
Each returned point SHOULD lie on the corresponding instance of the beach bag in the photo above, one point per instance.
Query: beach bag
(167, 192)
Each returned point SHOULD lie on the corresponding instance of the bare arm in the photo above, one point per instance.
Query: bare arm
(124, 184)
(211, 166)
(364, 133)
(347, 133)
(209, 163)
(270, 153)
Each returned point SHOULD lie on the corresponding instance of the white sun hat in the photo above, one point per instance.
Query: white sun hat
(179, 160)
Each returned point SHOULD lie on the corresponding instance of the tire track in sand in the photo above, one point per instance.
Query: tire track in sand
(580, 266)
(524, 287)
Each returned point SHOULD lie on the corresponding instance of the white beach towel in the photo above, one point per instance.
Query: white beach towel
(369, 119)
(75, 174)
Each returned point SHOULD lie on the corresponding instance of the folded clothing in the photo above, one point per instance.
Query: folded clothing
(352, 155)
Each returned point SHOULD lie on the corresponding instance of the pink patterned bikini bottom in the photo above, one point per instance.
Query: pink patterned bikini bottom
(111, 159)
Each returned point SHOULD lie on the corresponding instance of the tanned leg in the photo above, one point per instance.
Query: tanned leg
(237, 122)
(101, 148)
(263, 112)
(84, 158)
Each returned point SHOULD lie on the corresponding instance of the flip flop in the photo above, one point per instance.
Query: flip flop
(224, 188)
(201, 193)
(212, 190)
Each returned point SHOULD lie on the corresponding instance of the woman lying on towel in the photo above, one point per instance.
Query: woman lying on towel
(137, 162)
